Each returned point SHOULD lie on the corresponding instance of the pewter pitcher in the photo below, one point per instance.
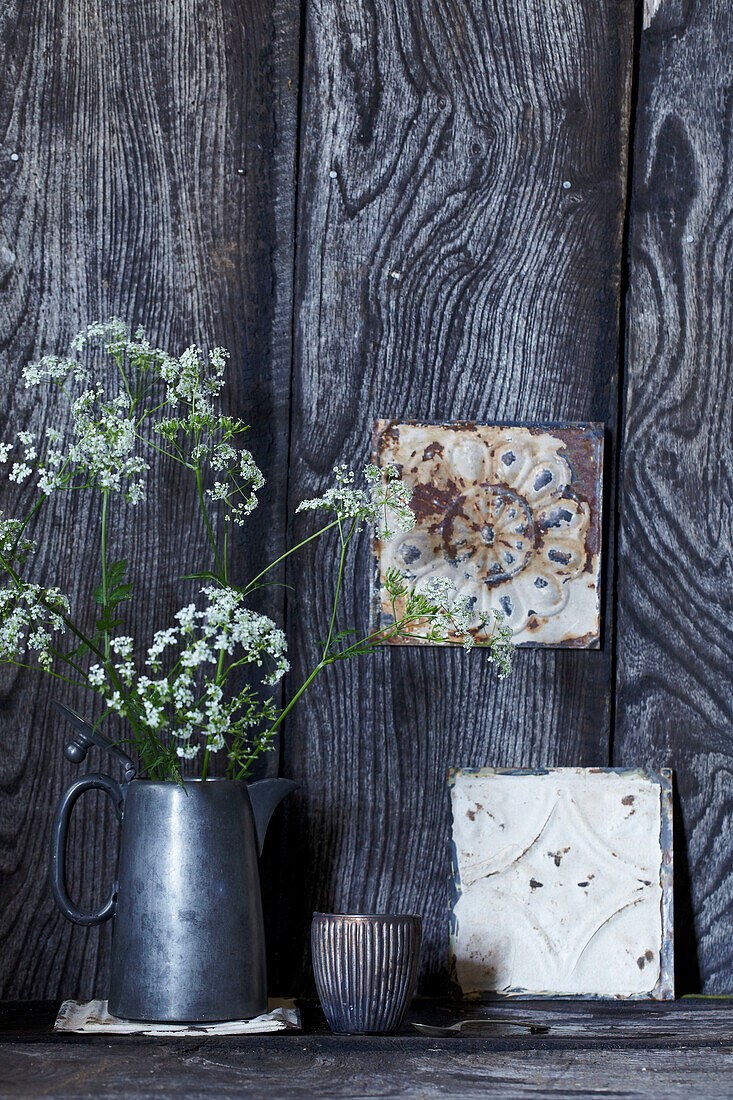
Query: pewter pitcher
(188, 941)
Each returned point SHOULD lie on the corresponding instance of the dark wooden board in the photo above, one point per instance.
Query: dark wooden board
(675, 610)
(444, 271)
(657, 1051)
(154, 154)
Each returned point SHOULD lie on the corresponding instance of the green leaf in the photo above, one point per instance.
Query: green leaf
(117, 592)
(120, 593)
(115, 573)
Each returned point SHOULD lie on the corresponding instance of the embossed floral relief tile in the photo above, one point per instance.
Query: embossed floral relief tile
(562, 882)
(510, 513)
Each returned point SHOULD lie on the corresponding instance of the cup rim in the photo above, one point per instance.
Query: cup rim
(377, 917)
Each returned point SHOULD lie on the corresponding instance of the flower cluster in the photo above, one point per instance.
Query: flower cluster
(111, 422)
(237, 472)
(103, 451)
(29, 617)
(200, 652)
(14, 547)
(186, 695)
(447, 618)
(457, 615)
(386, 499)
(192, 384)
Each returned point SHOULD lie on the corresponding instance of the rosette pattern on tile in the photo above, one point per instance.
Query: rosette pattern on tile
(509, 515)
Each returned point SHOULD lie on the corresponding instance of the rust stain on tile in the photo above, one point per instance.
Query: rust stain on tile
(510, 513)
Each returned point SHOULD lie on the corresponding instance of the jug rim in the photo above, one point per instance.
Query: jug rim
(185, 780)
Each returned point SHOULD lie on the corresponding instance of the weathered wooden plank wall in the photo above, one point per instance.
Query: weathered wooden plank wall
(146, 170)
(675, 597)
(461, 196)
(461, 199)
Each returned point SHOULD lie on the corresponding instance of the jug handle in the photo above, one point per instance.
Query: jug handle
(59, 836)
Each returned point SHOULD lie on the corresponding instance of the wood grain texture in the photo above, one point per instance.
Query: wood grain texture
(275, 1071)
(611, 1050)
(460, 210)
(675, 614)
(146, 159)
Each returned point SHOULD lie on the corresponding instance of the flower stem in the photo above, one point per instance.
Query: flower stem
(105, 498)
(321, 665)
(287, 554)
(48, 671)
(205, 767)
(344, 544)
(205, 514)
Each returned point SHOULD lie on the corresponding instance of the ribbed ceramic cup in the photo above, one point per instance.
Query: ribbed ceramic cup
(365, 969)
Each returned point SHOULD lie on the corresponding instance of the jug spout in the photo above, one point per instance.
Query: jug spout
(265, 795)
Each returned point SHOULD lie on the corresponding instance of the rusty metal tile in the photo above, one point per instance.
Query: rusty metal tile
(510, 513)
(562, 882)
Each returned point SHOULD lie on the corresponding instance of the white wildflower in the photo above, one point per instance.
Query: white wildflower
(188, 752)
(28, 439)
(29, 617)
(52, 369)
(96, 676)
(153, 715)
(218, 491)
(197, 654)
(12, 543)
(48, 482)
(161, 639)
(19, 472)
(136, 493)
(113, 332)
(122, 645)
(32, 374)
(387, 499)
(187, 616)
(116, 702)
(182, 692)
(242, 479)
(223, 456)
(126, 672)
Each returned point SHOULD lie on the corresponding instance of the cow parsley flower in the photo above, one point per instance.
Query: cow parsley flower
(239, 473)
(96, 676)
(208, 641)
(105, 442)
(185, 694)
(14, 546)
(187, 616)
(122, 645)
(53, 369)
(28, 440)
(113, 332)
(20, 472)
(188, 752)
(29, 617)
(49, 482)
(161, 640)
(385, 502)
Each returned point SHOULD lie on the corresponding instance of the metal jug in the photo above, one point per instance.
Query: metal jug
(188, 941)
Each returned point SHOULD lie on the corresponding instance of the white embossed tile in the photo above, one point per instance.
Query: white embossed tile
(510, 513)
(562, 882)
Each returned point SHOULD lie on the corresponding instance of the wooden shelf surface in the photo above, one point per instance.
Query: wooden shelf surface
(592, 1048)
